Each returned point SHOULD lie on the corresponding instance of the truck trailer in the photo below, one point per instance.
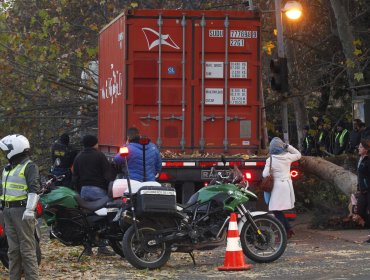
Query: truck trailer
(191, 82)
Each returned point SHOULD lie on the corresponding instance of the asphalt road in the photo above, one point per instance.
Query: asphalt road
(311, 254)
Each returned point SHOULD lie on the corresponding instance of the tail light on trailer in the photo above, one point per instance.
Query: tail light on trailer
(247, 175)
(164, 176)
(294, 173)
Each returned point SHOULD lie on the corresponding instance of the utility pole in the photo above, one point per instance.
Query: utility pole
(282, 57)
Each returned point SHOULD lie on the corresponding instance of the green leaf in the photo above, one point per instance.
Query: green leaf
(43, 14)
(350, 63)
(357, 52)
(359, 76)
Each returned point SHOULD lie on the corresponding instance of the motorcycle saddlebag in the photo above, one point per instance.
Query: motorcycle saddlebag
(155, 200)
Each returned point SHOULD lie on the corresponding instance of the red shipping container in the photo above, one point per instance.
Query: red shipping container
(189, 80)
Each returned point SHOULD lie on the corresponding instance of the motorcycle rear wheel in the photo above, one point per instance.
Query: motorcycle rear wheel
(144, 252)
(275, 239)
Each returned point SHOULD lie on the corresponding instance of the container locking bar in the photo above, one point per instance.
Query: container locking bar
(183, 63)
(201, 141)
(160, 23)
(226, 72)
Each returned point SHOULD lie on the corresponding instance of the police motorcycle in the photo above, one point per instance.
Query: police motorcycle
(75, 222)
(159, 226)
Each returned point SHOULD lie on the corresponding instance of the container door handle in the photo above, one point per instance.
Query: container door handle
(211, 118)
(150, 117)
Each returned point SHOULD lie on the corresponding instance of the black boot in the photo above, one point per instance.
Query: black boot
(104, 251)
(87, 251)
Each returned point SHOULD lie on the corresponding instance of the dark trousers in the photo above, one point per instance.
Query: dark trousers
(22, 244)
(363, 206)
(280, 216)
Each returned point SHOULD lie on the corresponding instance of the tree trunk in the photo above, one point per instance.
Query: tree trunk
(343, 179)
(346, 37)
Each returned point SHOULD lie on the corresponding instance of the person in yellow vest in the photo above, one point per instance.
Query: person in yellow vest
(19, 197)
(341, 139)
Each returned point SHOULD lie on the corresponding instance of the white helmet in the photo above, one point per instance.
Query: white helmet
(14, 144)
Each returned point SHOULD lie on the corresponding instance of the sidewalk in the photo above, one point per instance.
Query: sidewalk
(350, 235)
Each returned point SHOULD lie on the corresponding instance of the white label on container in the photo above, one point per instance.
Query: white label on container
(236, 42)
(216, 33)
(238, 70)
(214, 96)
(247, 34)
(245, 143)
(238, 96)
(214, 69)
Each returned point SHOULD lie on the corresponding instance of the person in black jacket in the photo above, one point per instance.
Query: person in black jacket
(363, 180)
(92, 173)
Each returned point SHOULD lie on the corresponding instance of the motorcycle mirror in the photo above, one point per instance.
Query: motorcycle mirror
(123, 151)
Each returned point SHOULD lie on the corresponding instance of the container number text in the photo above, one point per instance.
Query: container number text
(247, 34)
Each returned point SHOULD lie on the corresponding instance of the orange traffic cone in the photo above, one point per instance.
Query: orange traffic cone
(234, 257)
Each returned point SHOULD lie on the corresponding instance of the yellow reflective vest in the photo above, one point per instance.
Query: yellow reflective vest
(14, 183)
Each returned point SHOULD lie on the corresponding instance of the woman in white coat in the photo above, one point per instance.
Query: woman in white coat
(282, 195)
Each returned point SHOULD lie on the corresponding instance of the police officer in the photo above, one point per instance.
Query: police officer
(62, 156)
(341, 139)
(308, 144)
(19, 196)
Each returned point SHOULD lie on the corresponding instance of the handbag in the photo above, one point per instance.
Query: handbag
(267, 183)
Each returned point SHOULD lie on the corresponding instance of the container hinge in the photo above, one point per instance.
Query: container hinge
(173, 117)
(150, 117)
(211, 118)
(235, 118)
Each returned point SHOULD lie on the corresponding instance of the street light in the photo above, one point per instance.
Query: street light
(293, 10)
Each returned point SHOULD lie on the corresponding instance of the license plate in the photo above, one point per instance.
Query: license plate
(206, 174)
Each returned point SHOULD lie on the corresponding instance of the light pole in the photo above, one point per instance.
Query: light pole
(293, 10)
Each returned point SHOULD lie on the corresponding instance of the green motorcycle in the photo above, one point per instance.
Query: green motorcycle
(160, 226)
(75, 222)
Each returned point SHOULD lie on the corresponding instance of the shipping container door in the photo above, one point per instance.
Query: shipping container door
(111, 118)
(226, 69)
(156, 97)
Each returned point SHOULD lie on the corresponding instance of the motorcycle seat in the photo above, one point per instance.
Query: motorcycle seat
(92, 205)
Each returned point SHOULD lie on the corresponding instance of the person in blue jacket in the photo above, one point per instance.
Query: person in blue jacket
(140, 168)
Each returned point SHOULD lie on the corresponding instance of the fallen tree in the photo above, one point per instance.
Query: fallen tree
(342, 178)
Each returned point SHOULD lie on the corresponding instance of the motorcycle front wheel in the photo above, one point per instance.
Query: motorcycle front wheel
(144, 252)
(268, 246)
